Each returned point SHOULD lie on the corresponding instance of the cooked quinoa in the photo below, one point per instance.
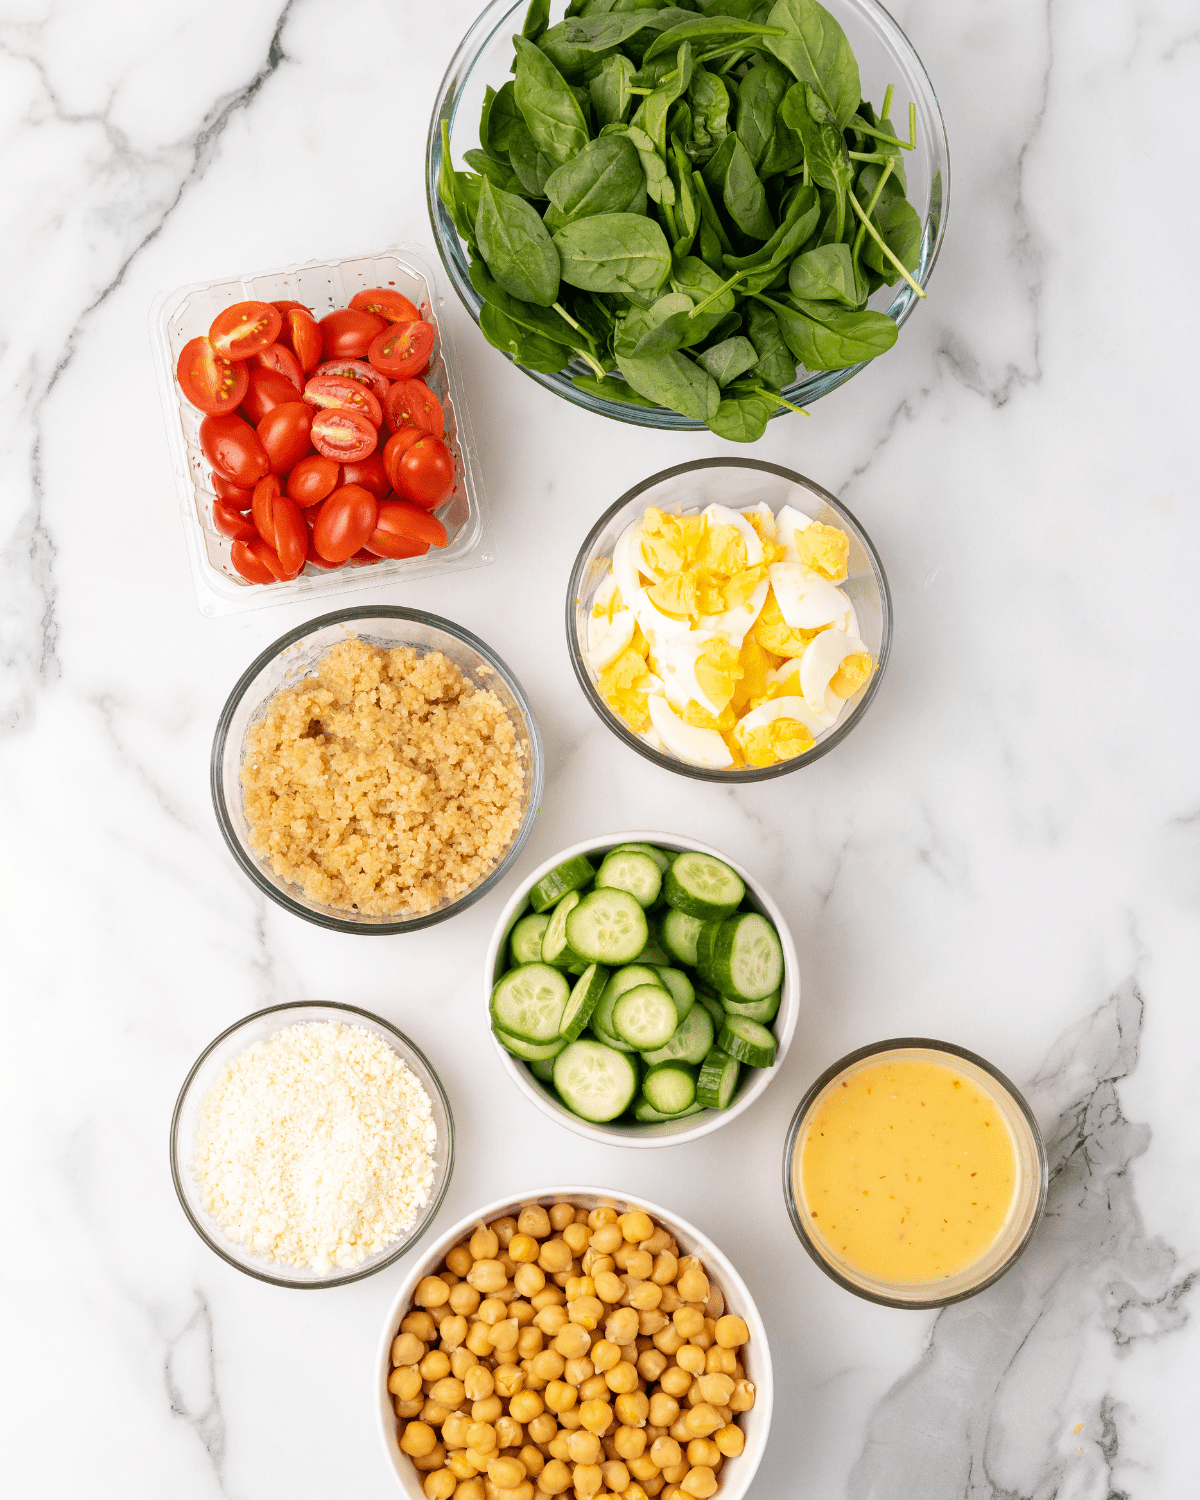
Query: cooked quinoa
(385, 783)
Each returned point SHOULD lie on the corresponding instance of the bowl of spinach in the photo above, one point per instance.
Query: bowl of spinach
(694, 214)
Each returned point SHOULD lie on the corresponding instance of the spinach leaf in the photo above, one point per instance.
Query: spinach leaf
(537, 18)
(825, 152)
(455, 192)
(717, 166)
(604, 178)
(613, 253)
(499, 118)
(596, 318)
(679, 326)
(550, 109)
(706, 30)
(730, 324)
(544, 321)
(800, 219)
(498, 173)
(610, 389)
(743, 414)
(744, 195)
(531, 165)
(528, 349)
(576, 44)
(609, 88)
(651, 115)
(727, 360)
(687, 212)
(514, 242)
(709, 100)
(741, 10)
(658, 182)
(827, 274)
(639, 323)
(824, 339)
(775, 364)
(675, 381)
(760, 94)
(900, 225)
(815, 51)
(707, 244)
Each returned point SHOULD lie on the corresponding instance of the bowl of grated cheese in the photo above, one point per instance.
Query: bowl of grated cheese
(311, 1145)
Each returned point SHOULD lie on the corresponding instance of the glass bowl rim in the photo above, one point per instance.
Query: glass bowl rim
(875, 1049)
(431, 1210)
(264, 658)
(735, 774)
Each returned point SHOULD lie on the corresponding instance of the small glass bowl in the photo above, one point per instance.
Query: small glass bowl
(1029, 1196)
(885, 55)
(737, 483)
(293, 657)
(203, 1075)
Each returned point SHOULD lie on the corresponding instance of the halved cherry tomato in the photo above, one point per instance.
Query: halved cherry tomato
(412, 403)
(371, 474)
(348, 332)
(267, 389)
(284, 433)
(302, 335)
(291, 535)
(398, 444)
(405, 530)
(280, 359)
(256, 562)
(333, 391)
(209, 380)
(232, 523)
(234, 450)
(245, 329)
(357, 369)
(366, 557)
(386, 303)
(402, 350)
(344, 435)
(286, 306)
(262, 510)
(312, 479)
(318, 561)
(347, 519)
(424, 473)
(232, 494)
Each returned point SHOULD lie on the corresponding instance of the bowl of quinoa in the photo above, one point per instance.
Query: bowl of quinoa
(376, 770)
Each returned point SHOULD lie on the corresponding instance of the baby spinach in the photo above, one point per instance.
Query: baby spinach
(500, 116)
(708, 30)
(658, 181)
(613, 253)
(824, 339)
(900, 226)
(498, 173)
(827, 274)
(530, 164)
(708, 98)
(744, 412)
(547, 322)
(610, 389)
(675, 381)
(604, 178)
(528, 349)
(815, 50)
(456, 192)
(609, 88)
(729, 359)
(744, 195)
(537, 18)
(514, 242)
(760, 94)
(548, 105)
(775, 365)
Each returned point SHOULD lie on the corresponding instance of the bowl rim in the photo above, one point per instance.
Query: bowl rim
(430, 1213)
(326, 918)
(727, 1274)
(734, 774)
(789, 1007)
(875, 1049)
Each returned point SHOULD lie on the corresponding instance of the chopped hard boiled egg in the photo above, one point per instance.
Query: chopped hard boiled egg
(823, 661)
(775, 731)
(806, 600)
(702, 747)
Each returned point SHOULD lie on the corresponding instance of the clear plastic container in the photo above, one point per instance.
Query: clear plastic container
(187, 312)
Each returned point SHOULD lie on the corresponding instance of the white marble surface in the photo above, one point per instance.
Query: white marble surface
(1003, 854)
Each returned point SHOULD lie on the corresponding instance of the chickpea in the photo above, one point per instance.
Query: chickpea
(645, 1296)
(550, 1320)
(635, 1492)
(632, 1408)
(718, 1361)
(583, 1447)
(459, 1259)
(672, 1491)
(432, 1460)
(491, 1310)
(462, 1360)
(649, 1323)
(421, 1326)
(549, 1365)
(608, 1288)
(729, 1440)
(593, 1263)
(688, 1321)
(470, 1489)
(440, 1484)
(699, 1482)
(586, 1311)
(743, 1396)
(533, 1221)
(664, 1269)
(643, 1467)
(453, 1331)
(560, 1396)
(504, 1229)
(604, 1215)
(406, 1410)
(554, 1256)
(629, 1442)
(434, 1365)
(703, 1419)
(622, 1326)
(669, 1340)
(707, 1336)
(579, 1286)
(555, 1478)
(455, 1429)
(481, 1436)
(588, 1480)
(525, 1406)
(487, 1276)
(407, 1349)
(529, 1279)
(577, 1236)
(433, 1412)
(479, 1383)
(670, 1299)
(418, 1440)
(606, 1239)
(523, 1491)
(487, 1410)
(651, 1364)
(676, 1472)
(714, 1305)
(448, 1392)
(703, 1453)
(664, 1409)
(506, 1473)
(533, 1459)
(549, 1296)
(431, 1291)
(615, 1475)
(665, 1452)
(484, 1244)
(568, 1421)
(639, 1263)
(595, 1415)
(464, 1299)
(622, 1378)
(577, 1371)
(572, 1341)
(541, 1429)
(675, 1380)
(530, 1342)
(715, 1389)
(504, 1335)
(680, 1432)
(405, 1382)
(691, 1359)
(522, 1249)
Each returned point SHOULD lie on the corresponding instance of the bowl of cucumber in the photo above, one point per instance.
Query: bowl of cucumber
(642, 989)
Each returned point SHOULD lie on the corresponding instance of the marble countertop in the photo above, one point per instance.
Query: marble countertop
(1003, 854)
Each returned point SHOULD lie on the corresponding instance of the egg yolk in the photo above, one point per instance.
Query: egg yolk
(623, 684)
(850, 676)
(773, 633)
(669, 543)
(767, 532)
(717, 671)
(782, 739)
(700, 718)
(757, 665)
(825, 549)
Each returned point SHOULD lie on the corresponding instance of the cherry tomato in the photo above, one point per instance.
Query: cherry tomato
(286, 306)
(405, 530)
(412, 403)
(234, 450)
(402, 350)
(357, 369)
(366, 557)
(291, 535)
(371, 474)
(333, 391)
(232, 494)
(399, 443)
(232, 523)
(284, 433)
(318, 561)
(344, 435)
(424, 472)
(267, 389)
(209, 380)
(313, 478)
(347, 519)
(303, 337)
(386, 303)
(244, 329)
(262, 509)
(255, 561)
(280, 359)
(348, 332)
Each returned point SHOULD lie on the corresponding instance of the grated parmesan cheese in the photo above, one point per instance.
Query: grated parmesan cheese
(315, 1146)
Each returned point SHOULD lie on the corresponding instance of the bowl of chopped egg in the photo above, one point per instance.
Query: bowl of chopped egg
(573, 1341)
(376, 770)
(729, 620)
(311, 1145)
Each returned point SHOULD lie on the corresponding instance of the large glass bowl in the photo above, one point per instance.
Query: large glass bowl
(737, 483)
(885, 56)
(293, 657)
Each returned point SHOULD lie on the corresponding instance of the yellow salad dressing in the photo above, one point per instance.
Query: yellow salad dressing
(907, 1170)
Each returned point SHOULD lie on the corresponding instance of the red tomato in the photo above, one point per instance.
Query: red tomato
(302, 335)
(348, 332)
(318, 561)
(312, 479)
(244, 329)
(371, 474)
(211, 382)
(424, 472)
(280, 359)
(347, 519)
(402, 350)
(284, 433)
(291, 535)
(334, 391)
(234, 450)
(344, 435)
(399, 443)
(405, 530)
(255, 561)
(232, 523)
(232, 494)
(386, 303)
(410, 403)
(262, 509)
(267, 389)
(286, 306)
(366, 557)
(357, 369)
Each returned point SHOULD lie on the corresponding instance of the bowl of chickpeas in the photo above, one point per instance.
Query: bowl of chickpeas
(578, 1343)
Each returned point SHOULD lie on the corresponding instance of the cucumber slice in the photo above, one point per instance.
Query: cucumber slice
(718, 1079)
(716, 1011)
(670, 1087)
(683, 991)
(702, 886)
(525, 940)
(646, 1114)
(624, 979)
(595, 1082)
(677, 932)
(746, 957)
(748, 1041)
(645, 1017)
(608, 927)
(692, 1041)
(588, 989)
(543, 1071)
(660, 856)
(653, 955)
(555, 948)
(706, 941)
(764, 1011)
(629, 870)
(529, 1052)
(571, 875)
(528, 1002)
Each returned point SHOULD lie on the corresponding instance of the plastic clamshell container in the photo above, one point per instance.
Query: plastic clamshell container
(186, 313)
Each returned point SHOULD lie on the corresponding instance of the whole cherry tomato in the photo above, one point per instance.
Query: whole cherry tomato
(424, 473)
(232, 523)
(345, 435)
(267, 389)
(284, 433)
(386, 303)
(291, 535)
(245, 329)
(234, 450)
(357, 369)
(347, 519)
(405, 530)
(256, 562)
(209, 380)
(371, 474)
(232, 494)
(333, 391)
(398, 444)
(348, 332)
(262, 510)
(280, 359)
(410, 403)
(402, 350)
(313, 478)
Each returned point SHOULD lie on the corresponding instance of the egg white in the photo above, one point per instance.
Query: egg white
(676, 662)
(788, 522)
(828, 716)
(606, 641)
(822, 657)
(764, 511)
(627, 560)
(806, 600)
(702, 747)
(721, 515)
(734, 624)
(782, 708)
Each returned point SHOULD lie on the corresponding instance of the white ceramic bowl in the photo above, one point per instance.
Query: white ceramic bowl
(627, 1133)
(737, 1473)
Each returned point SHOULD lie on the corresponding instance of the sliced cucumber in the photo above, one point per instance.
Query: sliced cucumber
(624, 979)
(588, 989)
(595, 1082)
(670, 1087)
(652, 954)
(683, 991)
(706, 941)
(677, 932)
(543, 1071)
(646, 1114)
(692, 1041)
(608, 927)
(660, 856)
(748, 1041)
(630, 870)
(716, 1011)
(718, 1079)
(525, 940)
(529, 1052)
(745, 960)
(764, 1011)
(645, 1017)
(555, 948)
(702, 886)
(571, 875)
(528, 1002)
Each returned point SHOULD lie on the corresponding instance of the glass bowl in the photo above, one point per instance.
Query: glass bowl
(736, 1473)
(1029, 1195)
(292, 657)
(737, 483)
(203, 1075)
(885, 55)
(753, 1083)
